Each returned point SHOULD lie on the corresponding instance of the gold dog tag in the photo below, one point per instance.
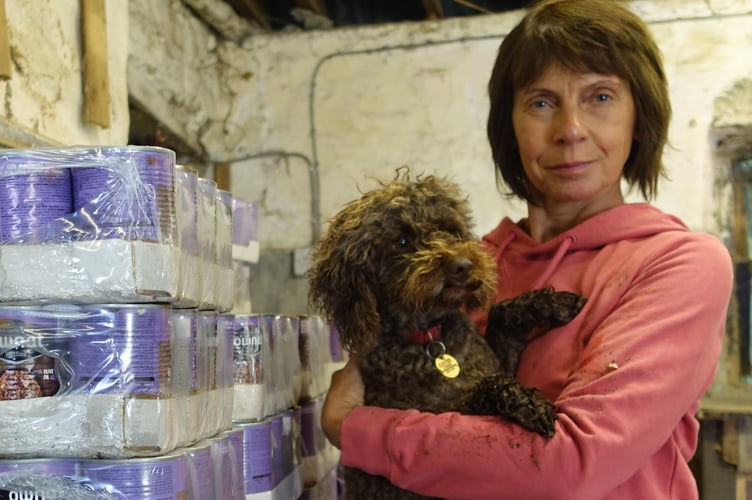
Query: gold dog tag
(447, 365)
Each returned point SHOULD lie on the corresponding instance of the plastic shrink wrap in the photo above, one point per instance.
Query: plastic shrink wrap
(112, 380)
(101, 224)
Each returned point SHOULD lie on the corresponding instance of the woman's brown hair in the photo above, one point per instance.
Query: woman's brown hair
(599, 36)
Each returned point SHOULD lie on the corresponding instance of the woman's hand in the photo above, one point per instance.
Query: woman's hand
(346, 392)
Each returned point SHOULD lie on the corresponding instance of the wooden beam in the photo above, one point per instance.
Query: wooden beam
(317, 6)
(433, 9)
(5, 66)
(257, 10)
(474, 6)
(222, 176)
(96, 81)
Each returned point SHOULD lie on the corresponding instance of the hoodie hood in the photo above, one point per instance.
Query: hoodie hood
(623, 222)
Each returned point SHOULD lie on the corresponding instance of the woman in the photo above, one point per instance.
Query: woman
(579, 104)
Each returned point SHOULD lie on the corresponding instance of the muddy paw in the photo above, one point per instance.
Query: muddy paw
(514, 402)
(564, 306)
(538, 309)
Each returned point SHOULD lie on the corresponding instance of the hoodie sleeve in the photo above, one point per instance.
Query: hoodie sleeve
(626, 410)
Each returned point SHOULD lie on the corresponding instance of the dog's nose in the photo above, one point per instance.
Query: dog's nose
(460, 271)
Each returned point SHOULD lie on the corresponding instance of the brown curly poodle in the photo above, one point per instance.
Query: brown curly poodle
(397, 271)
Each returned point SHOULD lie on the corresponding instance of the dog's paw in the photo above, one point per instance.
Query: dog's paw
(563, 307)
(514, 402)
(537, 309)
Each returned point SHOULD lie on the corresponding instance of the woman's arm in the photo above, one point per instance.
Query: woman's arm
(345, 393)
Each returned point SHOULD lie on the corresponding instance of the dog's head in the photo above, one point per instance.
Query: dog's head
(397, 259)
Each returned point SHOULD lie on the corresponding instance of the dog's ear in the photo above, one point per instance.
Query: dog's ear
(340, 289)
(358, 318)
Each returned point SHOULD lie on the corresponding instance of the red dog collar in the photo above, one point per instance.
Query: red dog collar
(425, 336)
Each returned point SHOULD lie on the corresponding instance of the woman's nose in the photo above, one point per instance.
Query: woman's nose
(569, 124)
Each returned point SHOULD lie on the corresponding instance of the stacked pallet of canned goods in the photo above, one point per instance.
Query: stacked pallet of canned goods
(283, 364)
(320, 354)
(116, 374)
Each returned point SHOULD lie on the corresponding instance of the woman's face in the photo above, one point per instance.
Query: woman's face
(574, 132)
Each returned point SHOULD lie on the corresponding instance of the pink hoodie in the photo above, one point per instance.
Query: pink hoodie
(627, 374)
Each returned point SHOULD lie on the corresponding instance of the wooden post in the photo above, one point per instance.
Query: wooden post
(222, 176)
(5, 66)
(96, 81)
(433, 9)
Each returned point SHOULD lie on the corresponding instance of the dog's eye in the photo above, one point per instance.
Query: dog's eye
(402, 244)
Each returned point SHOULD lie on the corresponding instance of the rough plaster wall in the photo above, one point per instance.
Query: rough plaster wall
(173, 70)
(199, 86)
(361, 102)
(42, 101)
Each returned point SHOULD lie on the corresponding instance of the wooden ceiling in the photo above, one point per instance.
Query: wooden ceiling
(275, 14)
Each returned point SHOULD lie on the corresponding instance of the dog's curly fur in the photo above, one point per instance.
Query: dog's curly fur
(402, 259)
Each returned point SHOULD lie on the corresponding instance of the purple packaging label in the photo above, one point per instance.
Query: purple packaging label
(313, 440)
(32, 204)
(308, 423)
(235, 450)
(162, 478)
(129, 195)
(257, 453)
(241, 234)
(278, 455)
(222, 463)
(304, 343)
(335, 348)
(200, 471)
(122, 349)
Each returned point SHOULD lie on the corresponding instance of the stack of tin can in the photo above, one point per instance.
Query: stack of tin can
(116, 370)
(129, 369)
(282, 365)
(102, 224)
